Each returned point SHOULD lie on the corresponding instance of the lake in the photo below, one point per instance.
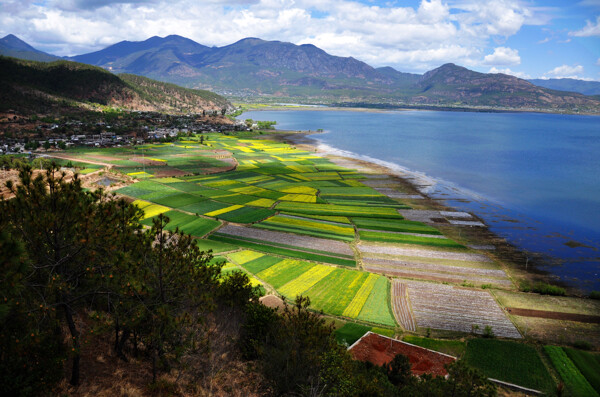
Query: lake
(534, 178)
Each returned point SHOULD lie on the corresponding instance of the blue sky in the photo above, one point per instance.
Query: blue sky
(526, 38)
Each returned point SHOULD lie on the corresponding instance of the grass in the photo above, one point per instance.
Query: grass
(550, 303)
(575, 383)
(588, 364)
(454, 348)
(509, 361)
(350, 333)
(215, 246)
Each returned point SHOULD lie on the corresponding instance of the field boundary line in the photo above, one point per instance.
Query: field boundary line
(516, 387)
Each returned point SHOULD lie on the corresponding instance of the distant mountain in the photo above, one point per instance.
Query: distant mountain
(451, 84)
(572, 85)
(12, 46)
(255, 67)
(35, 87)
(249, 65)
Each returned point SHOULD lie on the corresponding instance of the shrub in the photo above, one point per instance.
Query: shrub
(583, 345)
(488, 332)
(543, 288)
(595, 295)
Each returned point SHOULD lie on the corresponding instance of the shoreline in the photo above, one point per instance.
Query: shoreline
(507, 254)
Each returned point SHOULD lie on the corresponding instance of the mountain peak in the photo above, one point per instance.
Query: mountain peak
(13, 42)
(249, 41)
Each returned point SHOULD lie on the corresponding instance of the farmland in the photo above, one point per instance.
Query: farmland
(575, 383)
(302, 224)
(441, 306)
(337, 291)
(511, 362)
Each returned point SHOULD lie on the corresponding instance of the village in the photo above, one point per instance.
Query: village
(26, 135)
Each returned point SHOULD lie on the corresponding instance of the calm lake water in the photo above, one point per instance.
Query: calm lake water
(534, 178)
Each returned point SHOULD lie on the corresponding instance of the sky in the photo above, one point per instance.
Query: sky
(525, 38)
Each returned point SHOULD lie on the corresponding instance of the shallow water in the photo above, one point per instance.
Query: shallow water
(534, 178)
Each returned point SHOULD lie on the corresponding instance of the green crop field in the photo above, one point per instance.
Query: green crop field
(189, 224)
(454, 348)
(284, 272)
(308, 227)
(394, 225)
(292, 252)
(509, 361)
(588, 364)
(215, 246)
(351, 332)
(339, 210)
(377, 307)
(384, 237)
(575, 383)
(330, 289)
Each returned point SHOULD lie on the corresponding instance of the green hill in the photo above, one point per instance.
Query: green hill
(29, 86)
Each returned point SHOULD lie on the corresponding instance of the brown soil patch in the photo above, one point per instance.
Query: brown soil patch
(105, 158)
(379, 350)
(169, 172)
(272, 301)
(582, 318)
(147, 161)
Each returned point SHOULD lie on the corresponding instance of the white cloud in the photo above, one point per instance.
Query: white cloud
(565, 72)
(590, 29)
(502, 56)
(408, 38)
(520, 75)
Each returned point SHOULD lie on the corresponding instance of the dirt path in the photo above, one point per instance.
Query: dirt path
(63, 157)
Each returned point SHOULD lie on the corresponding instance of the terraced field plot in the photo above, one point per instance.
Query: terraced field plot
(408, 238)
(304, 247)
(443, 273)
(401, 306)
(337, 291)
(189, 224)
(311, 227)
(338, 210)
(451, 308)
(395, 225)
(575, 382)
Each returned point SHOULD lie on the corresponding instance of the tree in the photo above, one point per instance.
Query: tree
(69, 237)
(293, 351)
(398, 370)
(177, 284)
(31, 354)
(465, 381)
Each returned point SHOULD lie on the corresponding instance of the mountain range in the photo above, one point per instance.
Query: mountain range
(273, 69)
